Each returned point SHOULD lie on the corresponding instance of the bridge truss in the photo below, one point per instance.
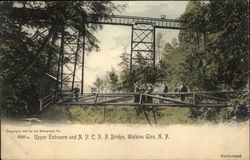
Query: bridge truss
(72, 43)
(142, 36)
(142, 46)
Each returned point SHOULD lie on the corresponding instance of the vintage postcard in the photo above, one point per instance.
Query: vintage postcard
(125, 80)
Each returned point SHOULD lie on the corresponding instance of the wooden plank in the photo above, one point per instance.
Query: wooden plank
(125, 104)
(61, 101)
(46, 106)
(127, 93)
(87, 98)
(175, 94)
(228, 92)
(47, 96)
(140, 101)
(117, 99)
(212, 105)
(115, 95)
(194, 98)
(212, 97)
(96, 96)
(167, 99)
(86, 95)
(145, 104)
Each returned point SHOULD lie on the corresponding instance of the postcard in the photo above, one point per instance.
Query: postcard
(124, 80)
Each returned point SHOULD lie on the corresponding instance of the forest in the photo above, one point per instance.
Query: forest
(212, 54)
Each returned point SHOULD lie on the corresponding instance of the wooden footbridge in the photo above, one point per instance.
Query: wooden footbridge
(147, 101)
(189, 99)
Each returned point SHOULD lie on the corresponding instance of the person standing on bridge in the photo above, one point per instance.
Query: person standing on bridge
(182, 88)
(76, 91)
(165, 89)
(149, 91)
(136, 90)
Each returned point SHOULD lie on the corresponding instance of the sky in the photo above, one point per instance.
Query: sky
(113, 38)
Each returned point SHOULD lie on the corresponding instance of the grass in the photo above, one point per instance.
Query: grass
(114, 115)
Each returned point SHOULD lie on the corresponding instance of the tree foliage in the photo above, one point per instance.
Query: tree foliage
(213, 50)
(222, 27)
(25, 58)
(113, 80)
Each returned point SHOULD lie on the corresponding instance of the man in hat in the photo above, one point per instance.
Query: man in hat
(182, 88)
(149, 90)
(76, 91)
(136, 90)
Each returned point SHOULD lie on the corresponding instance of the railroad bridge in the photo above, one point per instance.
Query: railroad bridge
(61, 79)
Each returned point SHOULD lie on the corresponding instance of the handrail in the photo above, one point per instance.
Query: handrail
(46, 101)
(168, 93)
(47, 96)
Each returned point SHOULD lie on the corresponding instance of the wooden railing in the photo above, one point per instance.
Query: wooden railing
(46, 101)
(203, 99)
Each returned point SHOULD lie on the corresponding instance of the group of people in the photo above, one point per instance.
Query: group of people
(148, 88)
(158, 88)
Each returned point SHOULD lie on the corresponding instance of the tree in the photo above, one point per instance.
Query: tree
(203, 22)
(113, 80)
(127, 80)
(98, 84)
(212, 49)
(25, 57)
(173, 57)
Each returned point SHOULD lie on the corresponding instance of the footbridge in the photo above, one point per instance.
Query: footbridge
(171, 99)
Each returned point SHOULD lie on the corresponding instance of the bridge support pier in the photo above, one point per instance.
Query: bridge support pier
(142, 45)
(70, 70)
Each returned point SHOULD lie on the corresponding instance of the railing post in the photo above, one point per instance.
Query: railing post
(104, 114)
(96, 96)
(55, 97)
(194, 98)
(40, 104)
(140, 101)
(52, 98)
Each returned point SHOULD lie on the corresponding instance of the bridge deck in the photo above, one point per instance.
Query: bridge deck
(26, 14)
(131, 20)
